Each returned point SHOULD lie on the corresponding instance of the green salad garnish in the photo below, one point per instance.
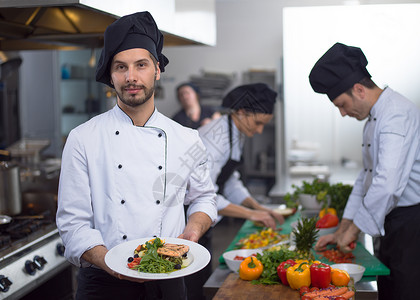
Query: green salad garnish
(152, 262)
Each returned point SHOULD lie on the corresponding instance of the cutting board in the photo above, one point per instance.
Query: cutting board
(234, 288)
(362, 257)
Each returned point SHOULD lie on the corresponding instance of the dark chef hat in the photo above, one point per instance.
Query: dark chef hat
(338, 70)
(255, 98)
(137, 30)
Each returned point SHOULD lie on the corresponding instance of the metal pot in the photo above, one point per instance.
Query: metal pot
(10, 192)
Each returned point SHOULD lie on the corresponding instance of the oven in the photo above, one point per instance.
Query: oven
(32, 265)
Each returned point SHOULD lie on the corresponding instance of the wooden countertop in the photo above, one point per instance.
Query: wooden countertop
(234, 288)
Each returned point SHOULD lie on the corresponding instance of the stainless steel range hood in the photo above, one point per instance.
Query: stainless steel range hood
(73, 24)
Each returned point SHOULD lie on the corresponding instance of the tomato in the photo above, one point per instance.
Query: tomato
(306, 298)
(313, 289)
(337, 256)
(237, 257)
(134, 263)
(303, 290)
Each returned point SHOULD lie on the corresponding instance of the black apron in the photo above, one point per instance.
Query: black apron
(399, 250)
(230, 166)
(96, 284)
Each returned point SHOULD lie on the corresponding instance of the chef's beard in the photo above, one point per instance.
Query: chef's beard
(134, 100)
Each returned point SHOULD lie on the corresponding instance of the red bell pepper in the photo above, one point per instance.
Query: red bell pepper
(327, 221)
(320, 275)
(282, 269)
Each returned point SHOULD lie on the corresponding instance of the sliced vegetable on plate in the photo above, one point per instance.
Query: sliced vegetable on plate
(156, 256)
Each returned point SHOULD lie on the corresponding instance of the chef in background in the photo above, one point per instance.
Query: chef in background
(251, 108)
(127, 173)
(385, 200)
(192, 114)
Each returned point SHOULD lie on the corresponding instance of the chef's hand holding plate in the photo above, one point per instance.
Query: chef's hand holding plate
(197, 225)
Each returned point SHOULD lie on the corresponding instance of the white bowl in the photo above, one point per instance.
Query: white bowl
(355, 271)
(309, 202)
(234, 264)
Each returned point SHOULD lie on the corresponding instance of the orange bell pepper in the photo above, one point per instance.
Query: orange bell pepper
(339, 277)
(250, 268)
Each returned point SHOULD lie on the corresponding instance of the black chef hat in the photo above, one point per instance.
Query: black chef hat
(338, 70)
(255, 98)
(137, 30)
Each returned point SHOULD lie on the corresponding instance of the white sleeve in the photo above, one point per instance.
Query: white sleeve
(235, 191)
(74, 213)
(355, 198)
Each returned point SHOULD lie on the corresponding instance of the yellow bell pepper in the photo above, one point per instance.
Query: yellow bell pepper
(299, 275)
(328, 210)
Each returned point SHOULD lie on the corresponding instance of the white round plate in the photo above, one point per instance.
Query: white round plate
(116, 259)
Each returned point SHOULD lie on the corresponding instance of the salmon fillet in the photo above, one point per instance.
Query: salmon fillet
(173, 250)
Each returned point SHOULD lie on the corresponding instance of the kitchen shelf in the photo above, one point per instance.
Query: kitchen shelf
(81, 97)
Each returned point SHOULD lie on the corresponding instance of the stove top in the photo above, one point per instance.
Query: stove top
(22, 231)
(31, 253)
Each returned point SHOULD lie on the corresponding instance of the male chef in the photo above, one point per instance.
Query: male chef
(127, 173)
(385, 201)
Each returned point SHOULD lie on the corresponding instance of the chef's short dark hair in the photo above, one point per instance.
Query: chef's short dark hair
(366, 82)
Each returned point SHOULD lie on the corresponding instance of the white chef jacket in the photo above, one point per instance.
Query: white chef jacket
(391, 159)
(215, 136)
(121, 182)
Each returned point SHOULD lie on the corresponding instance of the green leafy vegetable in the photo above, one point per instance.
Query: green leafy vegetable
(270, 261)
(338, 194)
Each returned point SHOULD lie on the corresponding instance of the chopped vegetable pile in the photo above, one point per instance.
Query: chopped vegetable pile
(336, 256)
(262, 238)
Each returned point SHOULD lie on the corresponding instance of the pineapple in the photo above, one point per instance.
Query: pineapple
(305, 235)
